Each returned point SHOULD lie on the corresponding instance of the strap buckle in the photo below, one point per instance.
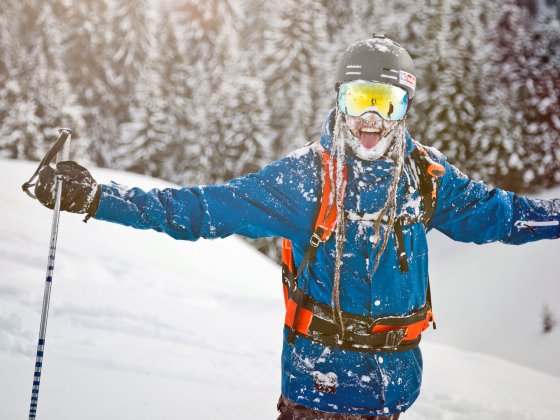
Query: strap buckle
(394, 338)
(317, 236)
(315, 240)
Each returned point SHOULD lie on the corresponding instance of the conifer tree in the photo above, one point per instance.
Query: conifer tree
(426, 40)
(152, 139)
(195, 49)
(9, 86)
(39, 95)
(541, 113)
(450, 115)
(295, 45)
(175, 97)
(88, 57)
(343, 26)
(208, 44)
(130, 40)
(251, 22)
(236, 146)
(500, 140)
(339, 19)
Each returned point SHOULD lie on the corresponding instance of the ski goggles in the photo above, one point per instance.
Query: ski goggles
(358, 97)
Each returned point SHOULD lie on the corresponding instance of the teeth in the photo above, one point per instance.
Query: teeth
(370, 130)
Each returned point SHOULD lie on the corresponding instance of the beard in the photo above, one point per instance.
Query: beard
(385, 149)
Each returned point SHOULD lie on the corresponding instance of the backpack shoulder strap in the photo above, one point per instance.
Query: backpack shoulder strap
(323, 226)
(324, 223)
(427, 172)
(326, 218)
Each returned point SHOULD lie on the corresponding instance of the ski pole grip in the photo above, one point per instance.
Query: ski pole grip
(64, 154)
(60, 149)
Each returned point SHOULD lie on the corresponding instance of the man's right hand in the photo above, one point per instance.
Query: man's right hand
(80, 191)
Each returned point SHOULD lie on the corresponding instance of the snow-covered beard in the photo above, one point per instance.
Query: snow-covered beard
(385, 149)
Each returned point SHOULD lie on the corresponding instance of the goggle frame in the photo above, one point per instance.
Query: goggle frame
(357, 97)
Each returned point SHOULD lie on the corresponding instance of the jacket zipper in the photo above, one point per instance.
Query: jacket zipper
(532, 224)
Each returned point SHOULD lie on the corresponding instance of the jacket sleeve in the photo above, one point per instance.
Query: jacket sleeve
(469, 211)
(273, 202)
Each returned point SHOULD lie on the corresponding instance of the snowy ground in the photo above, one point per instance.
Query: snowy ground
(145, 327)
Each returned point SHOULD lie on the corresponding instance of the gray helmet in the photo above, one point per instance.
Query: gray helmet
(378, 59)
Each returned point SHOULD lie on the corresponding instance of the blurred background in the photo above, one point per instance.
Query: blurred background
(201, 91)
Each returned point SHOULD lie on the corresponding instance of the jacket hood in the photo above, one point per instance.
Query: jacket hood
(327, 137)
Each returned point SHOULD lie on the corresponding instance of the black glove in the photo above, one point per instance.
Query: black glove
(80, 192)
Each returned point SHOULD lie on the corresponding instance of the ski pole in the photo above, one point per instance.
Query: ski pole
(62, 149)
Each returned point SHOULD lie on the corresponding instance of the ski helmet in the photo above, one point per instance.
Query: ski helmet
(378, 59)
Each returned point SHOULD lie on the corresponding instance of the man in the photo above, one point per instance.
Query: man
(355, 209)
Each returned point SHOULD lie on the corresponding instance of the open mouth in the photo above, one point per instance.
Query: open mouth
(369, 137)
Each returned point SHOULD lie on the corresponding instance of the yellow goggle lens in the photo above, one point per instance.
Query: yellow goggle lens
(358, 97)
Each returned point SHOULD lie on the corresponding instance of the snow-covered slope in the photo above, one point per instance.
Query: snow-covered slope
(145, 327)
(490, 298)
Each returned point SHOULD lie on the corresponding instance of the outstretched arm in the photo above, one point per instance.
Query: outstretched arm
(272, 202)
(469, 211)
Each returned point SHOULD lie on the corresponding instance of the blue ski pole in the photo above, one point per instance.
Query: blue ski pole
(62, 149)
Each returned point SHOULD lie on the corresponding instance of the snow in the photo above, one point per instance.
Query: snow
(142, 326)
(490, 298)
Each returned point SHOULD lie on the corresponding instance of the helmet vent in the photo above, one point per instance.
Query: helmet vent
(390, 76)
(355, 69)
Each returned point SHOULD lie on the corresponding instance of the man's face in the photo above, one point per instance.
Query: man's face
(371, 135)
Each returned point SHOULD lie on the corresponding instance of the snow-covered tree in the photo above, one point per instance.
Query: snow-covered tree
(502, 139)
(37, 89)
(449, 107)
(8, 83)
(150, 133)
(295, 46)
(155, 95)
(236, 144)
(206, 40)
(340, 19)
(131, 37)
(88, 58)
(541, 113)
(151, 141)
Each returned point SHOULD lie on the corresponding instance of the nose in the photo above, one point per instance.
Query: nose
(371, 117)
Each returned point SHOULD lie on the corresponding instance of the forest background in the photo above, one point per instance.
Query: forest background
(202, 91)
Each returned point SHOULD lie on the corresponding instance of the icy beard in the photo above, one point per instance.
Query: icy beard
(385, 149)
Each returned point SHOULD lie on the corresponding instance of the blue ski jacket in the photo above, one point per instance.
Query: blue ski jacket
(281, 201)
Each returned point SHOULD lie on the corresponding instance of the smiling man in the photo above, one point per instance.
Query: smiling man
(354, 209)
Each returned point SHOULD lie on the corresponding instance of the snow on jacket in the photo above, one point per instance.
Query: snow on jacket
(281, 201)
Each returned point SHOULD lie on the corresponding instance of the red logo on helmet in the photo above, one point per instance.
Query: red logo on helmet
(407, 79)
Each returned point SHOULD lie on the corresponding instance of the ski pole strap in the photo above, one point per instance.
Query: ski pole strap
(53, 151)
(361, 333)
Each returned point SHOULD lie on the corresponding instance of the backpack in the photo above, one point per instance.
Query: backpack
(309, 318)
